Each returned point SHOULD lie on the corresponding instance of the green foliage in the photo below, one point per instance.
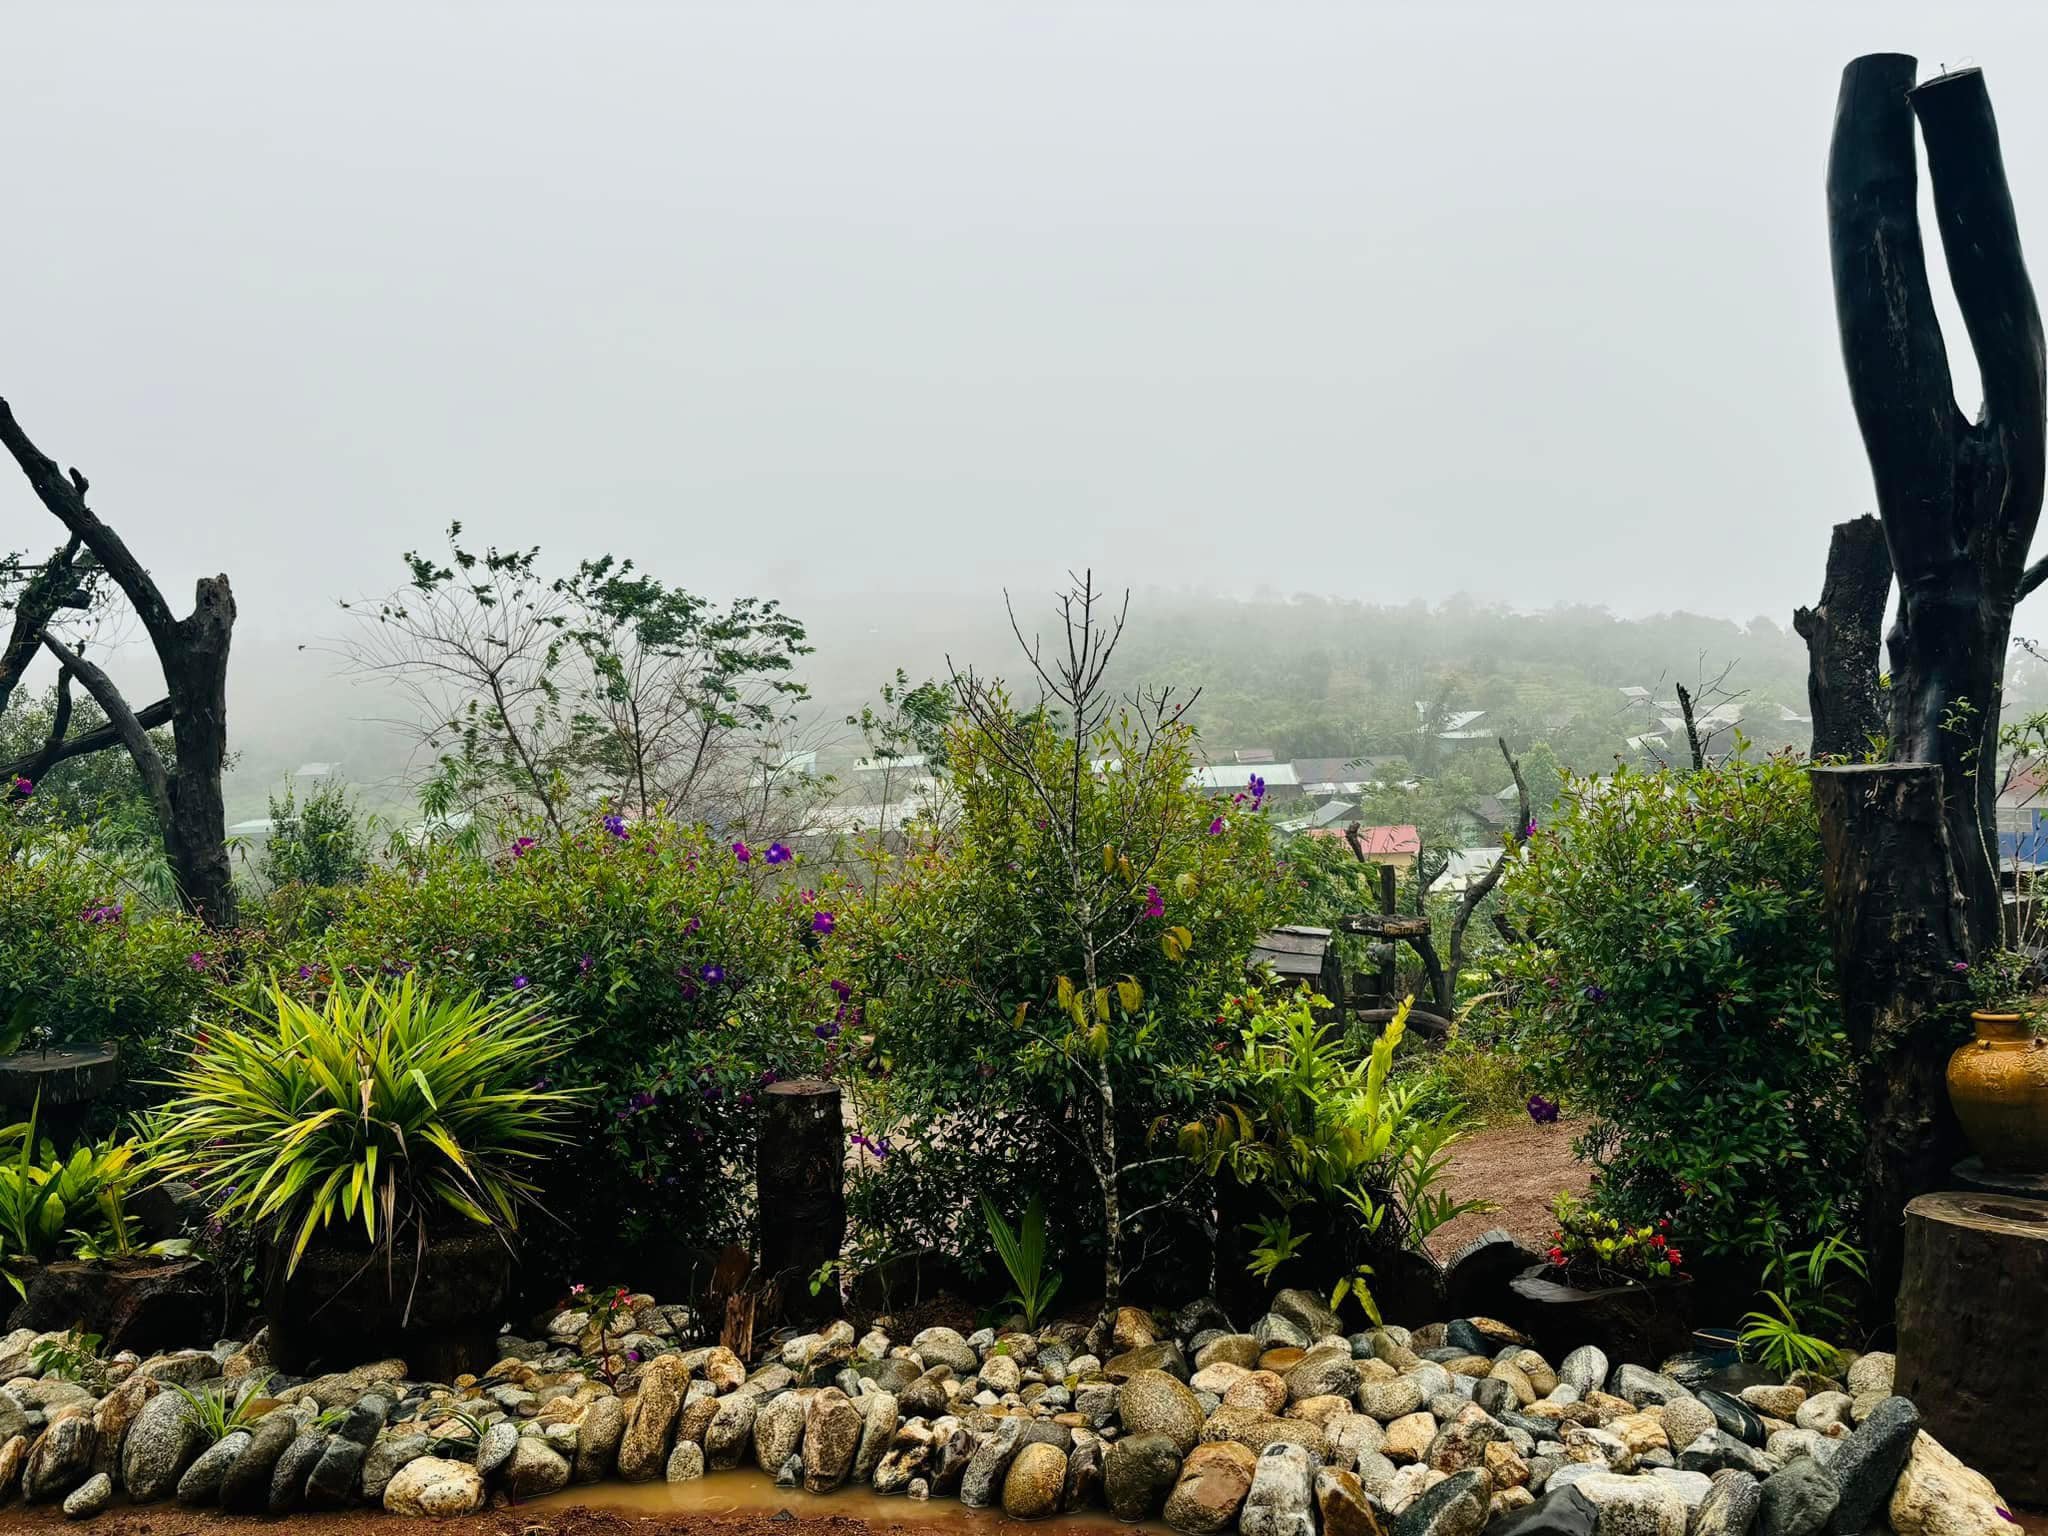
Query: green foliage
(383, 1105)
(100, 790)
(219, 1413)
(1040, 981)
(1326, 1137)
(1022, 1250)
(1814, 1290)
(694, 977)
(47, 1198)
(73, 1356)
(1678, 983)
(1484, 1079)
(544, 690)
(78, 961)
(911, 721)
(321, 843)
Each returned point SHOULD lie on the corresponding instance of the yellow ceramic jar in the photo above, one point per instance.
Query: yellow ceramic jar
(1998, 1084)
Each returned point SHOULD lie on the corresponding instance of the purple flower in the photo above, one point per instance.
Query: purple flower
(826, 1031)
(1595, 993)
(1155, 904)
(1543, 1111)
(520, 845)
(1961, 967)
(746, 1101)
(821, 922)
(197, 961)
(1257, 786)
(633, 1355)
(713, 973)
(1216, 827)
(843, 990)
(711, 1090)
(1529, 830)
(520, 983)
(777, 854)
(693, 925)
(615, 824)
(643, 1100)
(305, 973)
(583, 965)
(742, 852)
(23, 788)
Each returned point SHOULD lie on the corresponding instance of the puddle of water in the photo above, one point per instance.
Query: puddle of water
(748, 1491)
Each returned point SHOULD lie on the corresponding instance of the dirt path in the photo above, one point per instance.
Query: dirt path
(1520, 1168)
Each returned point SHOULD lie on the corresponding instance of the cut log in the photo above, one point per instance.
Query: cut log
(1381, 925)
(1895, 912)
(1972, 1351)
(800, 1174)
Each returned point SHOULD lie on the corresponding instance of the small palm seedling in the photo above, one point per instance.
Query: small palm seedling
(1809, 1294)
(1022, 1250)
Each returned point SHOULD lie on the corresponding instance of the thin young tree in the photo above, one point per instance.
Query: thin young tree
(1104, 775)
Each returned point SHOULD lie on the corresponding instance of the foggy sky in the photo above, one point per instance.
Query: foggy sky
(1525, 300)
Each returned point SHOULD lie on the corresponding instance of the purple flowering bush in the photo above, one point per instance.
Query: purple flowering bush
(83, 958)
(693, 979)
(1677, 985)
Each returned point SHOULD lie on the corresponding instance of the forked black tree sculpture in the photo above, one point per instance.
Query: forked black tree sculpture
(1911, 844)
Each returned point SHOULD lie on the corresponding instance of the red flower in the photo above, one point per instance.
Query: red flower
(1557, 1255)
(1657, 1241)
(1674, 1256)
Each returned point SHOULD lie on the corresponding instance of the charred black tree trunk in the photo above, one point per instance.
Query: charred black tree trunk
(1911, 846)
(1899, 925)
(1959, 499)
(193, 652)
(1844, 632)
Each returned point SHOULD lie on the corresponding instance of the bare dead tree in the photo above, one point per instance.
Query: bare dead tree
(193, 654)
(1909, 862)
(1478, 890)
(1842, 634)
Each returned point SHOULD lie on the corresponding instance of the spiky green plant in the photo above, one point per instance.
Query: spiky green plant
(381, 1105)
(220, 1413)
(1022, 1249)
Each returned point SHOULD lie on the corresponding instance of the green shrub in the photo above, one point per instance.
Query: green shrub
(381, 1106)
(694, 978)
(320, 843)
(1677, 983)
(991, 1051)
(80, 961)
(1344, 1164)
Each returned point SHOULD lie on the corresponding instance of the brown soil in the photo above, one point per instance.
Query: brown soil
(1520, 1168)
(524, 1520)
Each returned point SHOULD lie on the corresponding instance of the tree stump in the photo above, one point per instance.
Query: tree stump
(800, 1179)
(60, 1085)
(1972, 1351)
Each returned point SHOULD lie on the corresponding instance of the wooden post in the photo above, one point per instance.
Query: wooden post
(1897, 919)
(1972, 1351)
(1390, 968)
(800, 1192)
